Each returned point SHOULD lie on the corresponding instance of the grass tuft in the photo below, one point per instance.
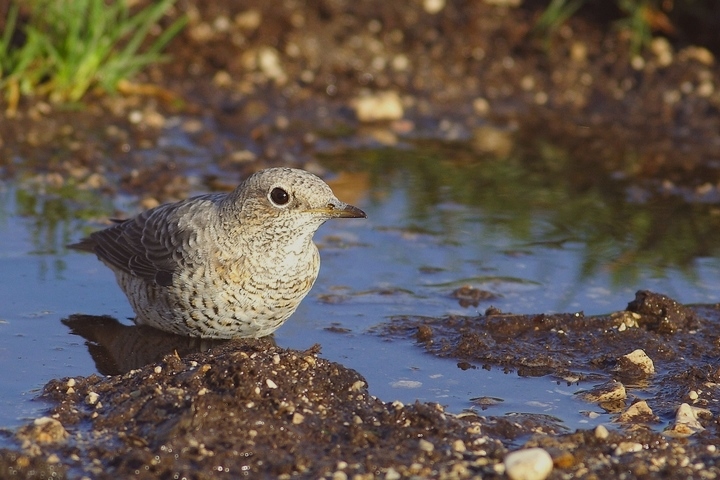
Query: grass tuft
(68, 47)
(638, 19)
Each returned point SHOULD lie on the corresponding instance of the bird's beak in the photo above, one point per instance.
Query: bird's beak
(341, 210)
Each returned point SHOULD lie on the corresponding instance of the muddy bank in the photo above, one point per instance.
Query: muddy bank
(251, 408)
(252, 85)
(679, 345)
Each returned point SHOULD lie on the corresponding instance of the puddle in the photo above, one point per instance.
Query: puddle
(532, 232)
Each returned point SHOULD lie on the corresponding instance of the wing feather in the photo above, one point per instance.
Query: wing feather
(154, 244)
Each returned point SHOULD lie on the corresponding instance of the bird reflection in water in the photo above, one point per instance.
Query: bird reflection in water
(117, 348)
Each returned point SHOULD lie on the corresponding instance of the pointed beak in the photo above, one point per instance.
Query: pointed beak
(349, 211)
(341, 210)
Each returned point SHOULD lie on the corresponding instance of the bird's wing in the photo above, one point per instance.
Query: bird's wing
(152, 245)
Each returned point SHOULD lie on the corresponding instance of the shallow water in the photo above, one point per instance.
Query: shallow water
(537, 234)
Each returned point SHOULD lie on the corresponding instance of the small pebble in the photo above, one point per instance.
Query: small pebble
(481, 106)
(426, 446)
(637, 361)
(269, 62)
(528, 464)
(357, 386)
(601, 432)
(339, 475)
(248, 20)
(91, 398)
(627, 447)
(637, 412)
(607, 392)
(136, 116)
(392, 474)
(380, 106)
(43, 430)
(459, 446)
(433, 6)
(271, 384)
(686, 421)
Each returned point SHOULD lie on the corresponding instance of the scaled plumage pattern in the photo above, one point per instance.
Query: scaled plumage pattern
(223, 265)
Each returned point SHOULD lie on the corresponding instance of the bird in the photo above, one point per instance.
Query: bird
(222, 265)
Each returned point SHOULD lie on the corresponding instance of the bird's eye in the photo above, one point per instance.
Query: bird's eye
(279, 196)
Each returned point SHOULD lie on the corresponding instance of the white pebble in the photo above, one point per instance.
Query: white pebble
(528, 464)
(91, 398)
(640, 359)
(135, 117)
(357, 386)
(392, 474)
(270, 383)
(433, 6)
(426, 446)
(628, 447)
(378, 106)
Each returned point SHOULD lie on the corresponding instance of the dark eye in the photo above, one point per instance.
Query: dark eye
(279, 196)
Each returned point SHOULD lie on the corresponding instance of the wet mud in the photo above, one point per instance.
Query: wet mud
(251, 408)
(679, 341)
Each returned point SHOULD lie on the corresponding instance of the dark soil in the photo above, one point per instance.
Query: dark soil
(680, 341)
(253, 84)
(258, 84)
(251, 408)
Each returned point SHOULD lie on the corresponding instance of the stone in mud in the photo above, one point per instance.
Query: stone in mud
(638, 412)
(635, 365)
(607, 392)
(528, 464)
(687, 421)
(661, 313)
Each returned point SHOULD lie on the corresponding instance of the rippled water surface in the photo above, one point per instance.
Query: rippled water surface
(533, 231)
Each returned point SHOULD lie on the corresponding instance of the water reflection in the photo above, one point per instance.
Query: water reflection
(543, 198)
(53, 215)
(118, 348)
(530, 198)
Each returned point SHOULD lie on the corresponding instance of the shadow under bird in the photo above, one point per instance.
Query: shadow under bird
(223, 265)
